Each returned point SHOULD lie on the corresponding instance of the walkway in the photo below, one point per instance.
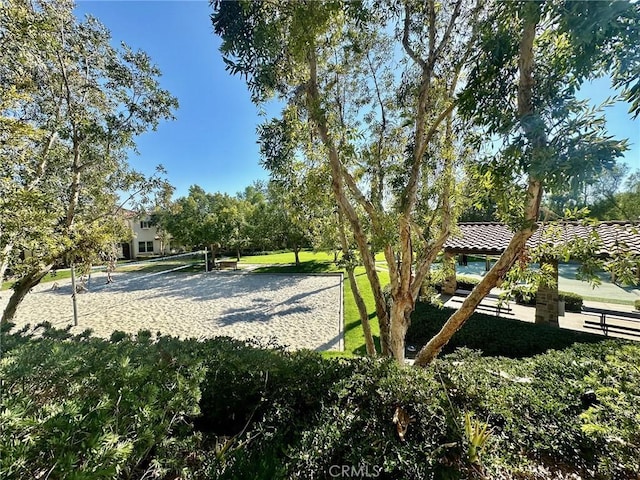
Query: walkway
(570, 321)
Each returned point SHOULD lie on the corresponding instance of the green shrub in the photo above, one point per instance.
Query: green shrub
(467, 283)
(573, 301)
(463, 282)
(356, 430)
(636, 304)
(77, 407)
(541, 410)
(540, 413)
(246, 384)
(87, 408)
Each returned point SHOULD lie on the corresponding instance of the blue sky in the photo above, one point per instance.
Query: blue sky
(212, 142)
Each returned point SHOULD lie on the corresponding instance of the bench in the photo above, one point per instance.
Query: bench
(491, 307)
(626, 322)
(226, 264)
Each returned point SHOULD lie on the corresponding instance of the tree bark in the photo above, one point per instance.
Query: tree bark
(337, 184)
(4, 260)
(401, 309)
(362, 310)
(362, 307)
(20, 290)
(537, 141)
(296, 252)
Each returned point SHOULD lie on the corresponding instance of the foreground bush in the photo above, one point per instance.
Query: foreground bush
(87, 408)
(77, 407)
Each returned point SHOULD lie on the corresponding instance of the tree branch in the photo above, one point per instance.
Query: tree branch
(405, 40)
(447, 33)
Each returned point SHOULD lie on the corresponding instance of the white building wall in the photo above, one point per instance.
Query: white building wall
(145, 240)
(147, 234)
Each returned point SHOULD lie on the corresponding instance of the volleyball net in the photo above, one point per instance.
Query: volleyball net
(122, 273)
(189, 262)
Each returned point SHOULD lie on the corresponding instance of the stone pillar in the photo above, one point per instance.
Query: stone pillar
(547, 298)
(449, 266)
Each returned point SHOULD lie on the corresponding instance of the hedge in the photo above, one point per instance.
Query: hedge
(157, 407)
(463, 282)
(573, 301)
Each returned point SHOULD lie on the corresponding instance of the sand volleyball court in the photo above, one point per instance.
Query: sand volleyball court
(299, 311)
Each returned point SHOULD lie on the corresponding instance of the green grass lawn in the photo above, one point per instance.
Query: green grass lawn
(287, 257)
(310, 266)
(353, 334)
(311, 262)
(49, 277)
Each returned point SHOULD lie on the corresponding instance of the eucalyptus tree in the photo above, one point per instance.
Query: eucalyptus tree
(307, 180)
(370, 89)
(77, 105)
(376, 90)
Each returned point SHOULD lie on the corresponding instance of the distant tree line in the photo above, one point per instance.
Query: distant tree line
(610, 194)
(265, 216)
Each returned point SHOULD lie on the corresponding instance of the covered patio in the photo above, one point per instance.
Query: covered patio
(490, 239)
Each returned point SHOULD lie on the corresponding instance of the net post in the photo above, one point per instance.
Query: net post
(74, 294)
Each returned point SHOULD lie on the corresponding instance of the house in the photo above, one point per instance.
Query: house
(146, 238)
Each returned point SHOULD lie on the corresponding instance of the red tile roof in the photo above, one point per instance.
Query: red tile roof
(491, 238)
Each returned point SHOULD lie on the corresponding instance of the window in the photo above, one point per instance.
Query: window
(145, 247)
(144, 224)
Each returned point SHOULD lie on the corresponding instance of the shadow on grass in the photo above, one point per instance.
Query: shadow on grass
(311, 266)
(361, 350)
(494, 336)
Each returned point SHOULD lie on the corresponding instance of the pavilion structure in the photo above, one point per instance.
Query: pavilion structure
(491, 239)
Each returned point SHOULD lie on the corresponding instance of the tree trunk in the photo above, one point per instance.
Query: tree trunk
(337, 185)
(401, 309)
(362, 307)
(20, 290)
(537, 140)
(4, 260)
(214, 252)
(364, 315)
(296, 252)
